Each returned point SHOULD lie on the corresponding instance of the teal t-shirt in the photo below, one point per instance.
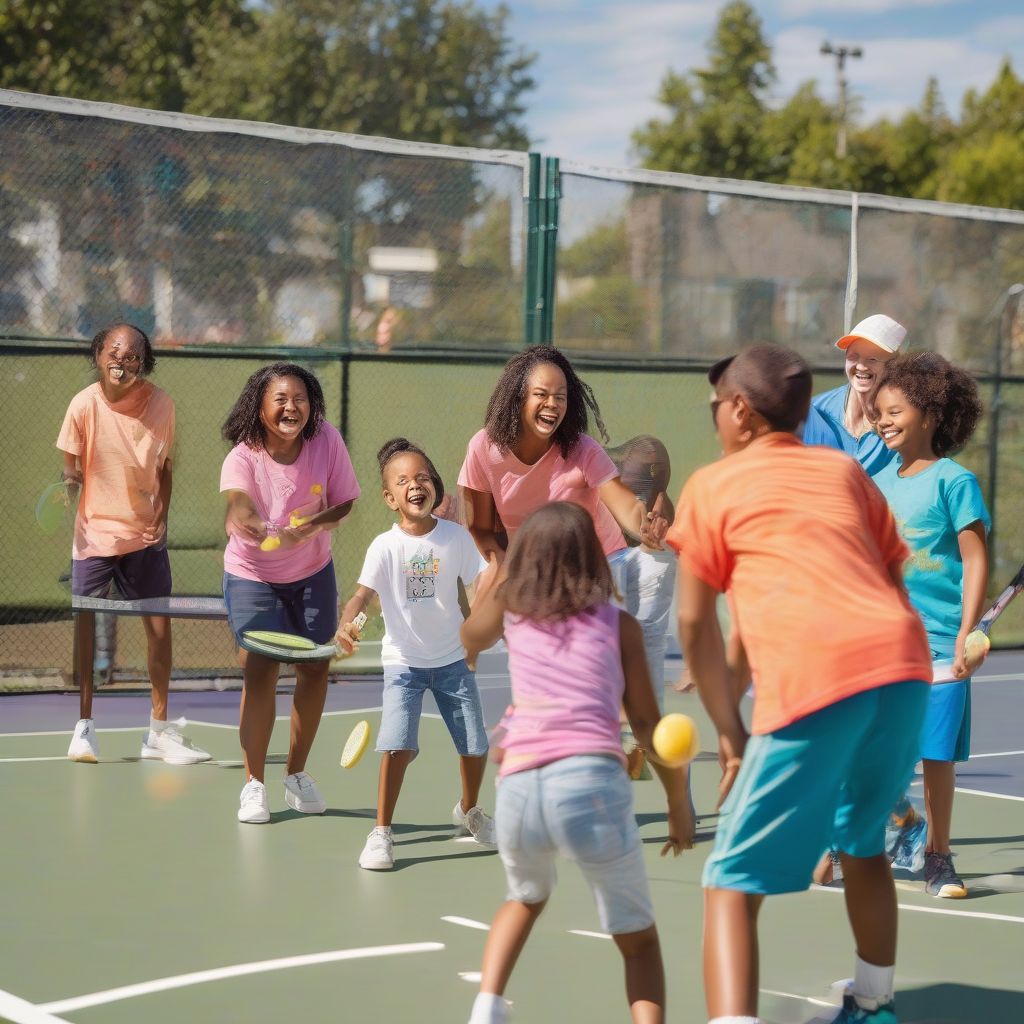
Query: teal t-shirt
(824, 426)
(931, 508)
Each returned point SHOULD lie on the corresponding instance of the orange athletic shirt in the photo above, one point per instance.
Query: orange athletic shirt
(803, 541)
(122, 447)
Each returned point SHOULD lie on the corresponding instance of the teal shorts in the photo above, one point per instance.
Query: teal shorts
(830, 779)
(946, 732)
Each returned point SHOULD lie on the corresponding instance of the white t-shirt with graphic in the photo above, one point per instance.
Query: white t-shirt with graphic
(416, 579)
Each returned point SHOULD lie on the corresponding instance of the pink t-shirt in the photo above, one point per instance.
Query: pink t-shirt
(122, 447)
(277, 491)
(518, 489)
(567, 687)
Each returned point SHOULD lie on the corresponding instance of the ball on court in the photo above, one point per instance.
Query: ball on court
(676, 740)
(164, 786)
(976, 647)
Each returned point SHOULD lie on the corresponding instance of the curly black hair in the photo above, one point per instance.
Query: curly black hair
(243, 425)
(504, 410)
(148, 358)
(944, 393)
(403, 446)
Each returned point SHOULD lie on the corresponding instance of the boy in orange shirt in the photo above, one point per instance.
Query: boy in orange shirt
(808, 551)
(117, 438)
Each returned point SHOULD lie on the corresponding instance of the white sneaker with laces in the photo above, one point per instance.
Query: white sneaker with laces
(171, 746)
(253, 808)
(301, 794)
(83, 744)
(475, 822)
(378, 853)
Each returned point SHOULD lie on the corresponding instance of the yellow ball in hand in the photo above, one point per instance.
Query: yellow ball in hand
(676, 740)
(976, 648)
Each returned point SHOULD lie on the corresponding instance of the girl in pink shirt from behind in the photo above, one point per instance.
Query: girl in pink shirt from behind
(574, 659)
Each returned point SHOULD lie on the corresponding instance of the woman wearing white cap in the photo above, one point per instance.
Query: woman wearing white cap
(839, 418)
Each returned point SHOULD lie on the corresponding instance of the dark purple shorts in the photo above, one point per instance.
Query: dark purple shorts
(139, 574)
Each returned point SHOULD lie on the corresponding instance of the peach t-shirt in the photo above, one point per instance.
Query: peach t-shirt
(518, 489)
(803, 541)
(122, 447)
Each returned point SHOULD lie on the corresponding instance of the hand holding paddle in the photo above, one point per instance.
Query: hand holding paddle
(347, 637)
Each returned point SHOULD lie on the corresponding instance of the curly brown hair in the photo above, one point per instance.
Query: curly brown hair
(945, 393)
(504, 410)
(243, 425)
(556, 566)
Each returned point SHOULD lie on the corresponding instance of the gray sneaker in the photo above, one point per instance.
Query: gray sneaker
(940, 877)
(475, 822)
(302, 794)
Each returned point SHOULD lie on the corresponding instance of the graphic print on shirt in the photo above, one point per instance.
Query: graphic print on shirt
(920, 559)
(421, 571)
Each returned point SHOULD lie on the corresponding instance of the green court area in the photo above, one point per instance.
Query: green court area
(131, 893)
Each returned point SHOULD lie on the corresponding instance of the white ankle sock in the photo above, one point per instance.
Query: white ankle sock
(489, 1008)
(872, 985)
(735, 1020)
(156, 725)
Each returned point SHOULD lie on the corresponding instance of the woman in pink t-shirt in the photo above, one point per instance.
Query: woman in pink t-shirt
(287, 461)
(574, 658)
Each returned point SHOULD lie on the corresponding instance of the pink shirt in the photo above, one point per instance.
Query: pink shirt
(277, 491)
(123, 447)
(518, 489)
(567, 687)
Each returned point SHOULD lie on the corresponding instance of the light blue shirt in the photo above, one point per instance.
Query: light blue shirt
(825, 427)
(931, 508)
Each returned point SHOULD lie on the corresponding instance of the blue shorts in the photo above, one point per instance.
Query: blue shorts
(946, 733)
(138, 574)
(457, 697)
(306, 607)
(828, 780)
(582, 809)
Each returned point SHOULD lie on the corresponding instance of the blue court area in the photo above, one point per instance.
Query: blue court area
(131, 893)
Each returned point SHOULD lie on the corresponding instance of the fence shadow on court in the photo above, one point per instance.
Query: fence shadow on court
(960, 1004)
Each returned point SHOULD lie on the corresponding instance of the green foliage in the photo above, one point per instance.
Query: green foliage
(719, 124)
(429, 70)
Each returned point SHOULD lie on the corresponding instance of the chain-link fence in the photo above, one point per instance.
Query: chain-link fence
(403, 275)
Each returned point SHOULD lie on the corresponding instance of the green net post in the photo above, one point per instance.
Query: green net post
(534, 276)
(549, 238)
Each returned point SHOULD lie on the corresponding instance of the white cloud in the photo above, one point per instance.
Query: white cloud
(800, 8)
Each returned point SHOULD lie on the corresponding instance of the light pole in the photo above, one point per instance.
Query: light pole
(841, 53)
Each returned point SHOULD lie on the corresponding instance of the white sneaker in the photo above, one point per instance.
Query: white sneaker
(301, 794)
(475, 822)
(83, 744)
(172, 746)
(378, 853)
(253, 807)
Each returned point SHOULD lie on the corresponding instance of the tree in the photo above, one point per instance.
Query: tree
(716, 113)
(122, 51)
(429, 70)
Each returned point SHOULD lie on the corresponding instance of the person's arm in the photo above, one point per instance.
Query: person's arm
(347, 634)
(481, 521)
(642, 711)
(632, 516)
(71, 474)
(332, 517)
(243, 515)
(974, 553)
(739, 664)
(486, 622)
(704, 649)
(157, 530)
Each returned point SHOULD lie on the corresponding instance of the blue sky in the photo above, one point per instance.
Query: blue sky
(600, 62)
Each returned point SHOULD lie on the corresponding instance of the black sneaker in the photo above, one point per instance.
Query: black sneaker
(940, 877)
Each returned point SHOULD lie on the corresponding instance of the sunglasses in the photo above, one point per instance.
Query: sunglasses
(714, 404)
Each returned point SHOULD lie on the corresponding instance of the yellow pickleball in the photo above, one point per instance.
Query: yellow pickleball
(270, 543)
(976, 648)
(676, 740)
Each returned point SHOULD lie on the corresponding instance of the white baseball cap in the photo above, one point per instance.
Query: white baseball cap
(879, 330)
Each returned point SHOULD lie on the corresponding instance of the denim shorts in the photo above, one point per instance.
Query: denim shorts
(137, 574)
(457, 698)
(307, 607)
(829, 779)
(582, 809)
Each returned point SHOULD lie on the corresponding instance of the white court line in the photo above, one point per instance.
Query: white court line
(803, 999)
(23, 760)
(235, 971)
(938, 910)
(467, 922)
(21, 1012)
(589, 935)
(1007, 677)
(995, 796)
(1001, 753)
